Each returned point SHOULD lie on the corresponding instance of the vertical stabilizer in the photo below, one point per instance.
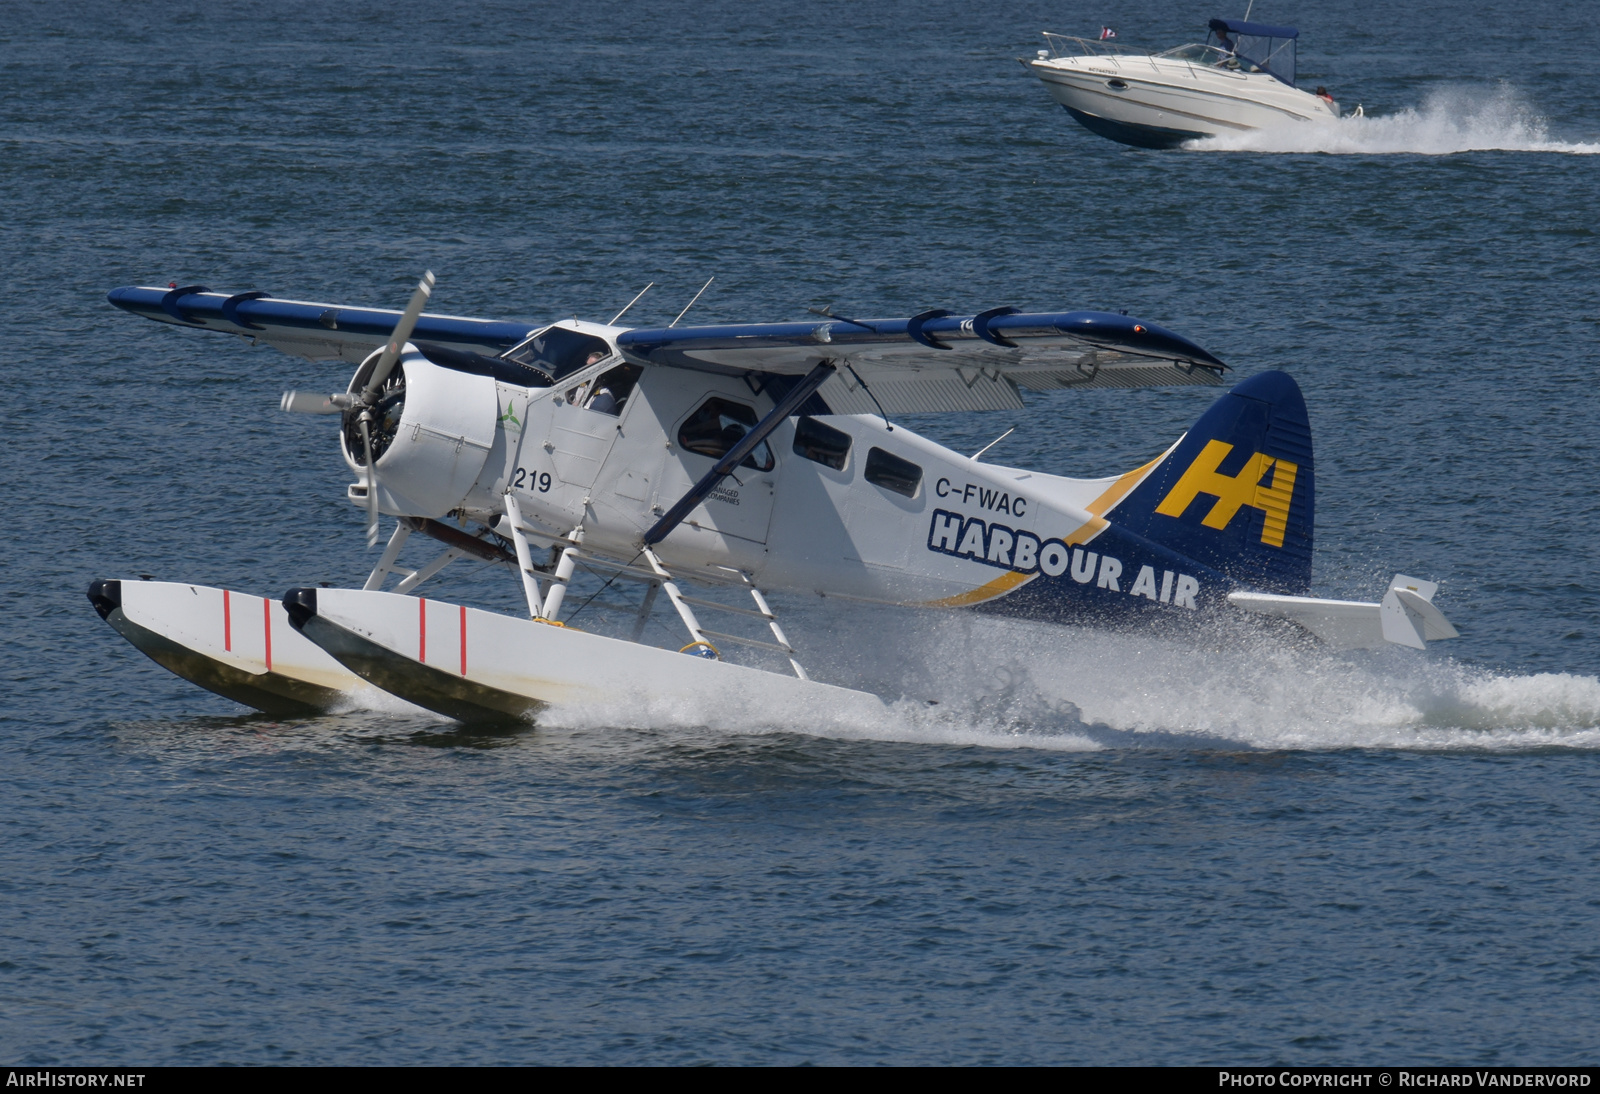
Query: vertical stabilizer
(1237, 492)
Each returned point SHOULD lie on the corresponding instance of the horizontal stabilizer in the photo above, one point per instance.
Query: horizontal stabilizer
(317, 332)
(1405, 617)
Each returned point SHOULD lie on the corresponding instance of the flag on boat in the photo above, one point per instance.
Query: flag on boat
(1107, 32)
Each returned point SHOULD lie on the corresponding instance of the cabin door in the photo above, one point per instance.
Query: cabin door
(579, 441)
(707, 424)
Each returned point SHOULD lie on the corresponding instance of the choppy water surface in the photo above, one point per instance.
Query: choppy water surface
(1095, 847)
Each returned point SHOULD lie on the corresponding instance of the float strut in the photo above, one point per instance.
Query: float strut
(684, 611)
(530, 583)
(402, 532)
(563, 574)
(428, 571)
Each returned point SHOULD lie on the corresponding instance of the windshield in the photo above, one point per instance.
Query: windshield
(559, 352)
(1200, 55)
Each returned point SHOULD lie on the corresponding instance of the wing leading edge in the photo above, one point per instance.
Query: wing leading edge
(938, 362)
(318, 332)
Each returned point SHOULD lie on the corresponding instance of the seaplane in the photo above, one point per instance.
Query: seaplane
(713, 466)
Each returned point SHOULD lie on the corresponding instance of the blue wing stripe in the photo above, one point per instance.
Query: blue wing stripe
(246, 313)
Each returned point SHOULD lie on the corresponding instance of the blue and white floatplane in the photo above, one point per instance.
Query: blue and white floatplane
(713, 464)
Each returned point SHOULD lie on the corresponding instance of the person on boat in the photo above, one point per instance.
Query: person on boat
(1324, 95)
(1223, 42)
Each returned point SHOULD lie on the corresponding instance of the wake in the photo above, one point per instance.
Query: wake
(1450, 120)
(973, 680)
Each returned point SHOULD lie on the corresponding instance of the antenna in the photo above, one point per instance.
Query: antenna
(690, 304)
(631, 303)
(1247, 8)
(991, 444)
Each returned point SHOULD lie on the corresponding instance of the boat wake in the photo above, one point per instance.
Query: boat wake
(1450, 120)
(980, 681)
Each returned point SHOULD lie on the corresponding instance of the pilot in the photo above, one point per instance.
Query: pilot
(604, 399)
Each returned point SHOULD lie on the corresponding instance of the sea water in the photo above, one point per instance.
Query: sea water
(1059, 845)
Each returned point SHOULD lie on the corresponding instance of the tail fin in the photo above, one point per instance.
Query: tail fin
(1237, 492)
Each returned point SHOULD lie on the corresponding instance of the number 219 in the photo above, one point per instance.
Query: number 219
(539, 481)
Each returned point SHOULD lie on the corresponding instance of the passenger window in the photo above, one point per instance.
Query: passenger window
(889, 471)
(717, 426)
(822, 443)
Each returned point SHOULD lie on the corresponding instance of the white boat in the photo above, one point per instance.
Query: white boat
(1241, 78)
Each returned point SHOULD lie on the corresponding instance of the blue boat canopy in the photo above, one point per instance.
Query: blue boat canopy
(1260, 30)
(1264, 48)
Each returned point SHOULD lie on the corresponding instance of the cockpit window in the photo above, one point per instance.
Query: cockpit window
(560, 352)
(609, 392)
(717, 426)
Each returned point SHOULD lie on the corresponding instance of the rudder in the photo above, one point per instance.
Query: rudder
(1237, 493)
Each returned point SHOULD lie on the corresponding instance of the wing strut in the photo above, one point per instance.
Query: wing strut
(747, 444)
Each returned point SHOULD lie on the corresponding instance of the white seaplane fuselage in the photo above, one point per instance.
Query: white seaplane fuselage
(1160, 100)
(836, 525)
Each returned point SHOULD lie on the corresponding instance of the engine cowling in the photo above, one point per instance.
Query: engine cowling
(432, 436)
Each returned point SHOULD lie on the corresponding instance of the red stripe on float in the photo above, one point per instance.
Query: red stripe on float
(266, 615)
(463, 640)
(227, 623)
(422, 630)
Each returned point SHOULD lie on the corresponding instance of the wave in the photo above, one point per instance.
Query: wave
(981, 681)
(1450, 120)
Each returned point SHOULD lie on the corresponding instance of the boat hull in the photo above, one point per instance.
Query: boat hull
(477, 666)
(1139, 136)
(1150, 102)
(236, 645)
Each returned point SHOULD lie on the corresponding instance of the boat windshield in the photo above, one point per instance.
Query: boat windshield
(1201, 55)
(1264, 48)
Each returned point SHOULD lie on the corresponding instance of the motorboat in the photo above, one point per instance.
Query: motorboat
(1241, 78)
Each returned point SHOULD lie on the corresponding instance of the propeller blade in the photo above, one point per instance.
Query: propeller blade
(397, 341)
(304, 402)
(372, 481)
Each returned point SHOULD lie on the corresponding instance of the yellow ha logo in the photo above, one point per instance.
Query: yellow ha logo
(1243, 489)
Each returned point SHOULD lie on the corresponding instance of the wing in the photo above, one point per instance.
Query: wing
(936, 361)
(317, 332)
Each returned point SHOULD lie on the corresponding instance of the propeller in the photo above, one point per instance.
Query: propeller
(397, 341)
(303, 402)
(365, 400)
(365, 421)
